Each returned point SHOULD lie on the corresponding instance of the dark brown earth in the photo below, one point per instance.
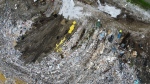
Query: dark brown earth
(42, 38)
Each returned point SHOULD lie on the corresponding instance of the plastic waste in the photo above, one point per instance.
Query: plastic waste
(136, 81)
(110, 39)
(102, 35)
(98, 24)
(119, 35)
(114, 49)
(35, 0)
(122, 53)
(122, 45)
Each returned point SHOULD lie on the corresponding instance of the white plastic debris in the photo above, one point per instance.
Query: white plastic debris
(113, 11)
(15, 6)
(70, 10)
(35, 0)
(142, 36)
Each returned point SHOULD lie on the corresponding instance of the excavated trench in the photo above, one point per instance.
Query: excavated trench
(42, 39)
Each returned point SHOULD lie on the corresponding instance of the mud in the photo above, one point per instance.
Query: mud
(42, 38)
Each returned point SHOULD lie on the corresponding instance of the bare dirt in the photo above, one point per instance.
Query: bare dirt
(42, 38)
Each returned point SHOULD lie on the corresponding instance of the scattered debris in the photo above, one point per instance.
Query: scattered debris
(84, 54)
(70, 10)
(114, 12)
(134, 53)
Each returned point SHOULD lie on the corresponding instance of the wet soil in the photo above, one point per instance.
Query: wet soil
(42, 38)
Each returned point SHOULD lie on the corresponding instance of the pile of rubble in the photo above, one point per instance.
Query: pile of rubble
(93, 54)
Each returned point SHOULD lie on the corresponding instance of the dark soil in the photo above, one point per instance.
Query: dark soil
(42, 39)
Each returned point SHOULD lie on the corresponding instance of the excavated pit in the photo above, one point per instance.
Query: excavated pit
(42, 39)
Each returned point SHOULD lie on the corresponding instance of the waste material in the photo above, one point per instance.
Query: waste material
(98, 23)
(119, 34)
(102, 35)
(77, 55)
(136, 81)
(134, 53)
(114, 49)
(35, 0)
(110, 39)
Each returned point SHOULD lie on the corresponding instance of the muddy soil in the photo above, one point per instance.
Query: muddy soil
(42, 38)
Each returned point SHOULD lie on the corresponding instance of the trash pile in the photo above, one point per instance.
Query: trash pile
(93, 54)
(108, 45)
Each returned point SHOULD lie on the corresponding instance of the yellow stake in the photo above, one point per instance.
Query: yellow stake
(62, 41)
(72, 27)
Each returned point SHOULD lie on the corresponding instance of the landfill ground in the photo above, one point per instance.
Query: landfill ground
(58, 42)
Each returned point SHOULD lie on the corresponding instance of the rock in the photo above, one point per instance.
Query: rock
(35, 0)
(63, 22)
(134, 53)
(14, 43)
(109, 32)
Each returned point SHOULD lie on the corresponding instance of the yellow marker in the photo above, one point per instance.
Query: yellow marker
(72, 27)
(57, 45)
(74, 22)
(60, 43)
(59, 50)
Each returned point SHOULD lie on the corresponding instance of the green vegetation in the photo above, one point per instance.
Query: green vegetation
(141, 3)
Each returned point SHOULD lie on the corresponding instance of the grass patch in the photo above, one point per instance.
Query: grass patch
(141, 3)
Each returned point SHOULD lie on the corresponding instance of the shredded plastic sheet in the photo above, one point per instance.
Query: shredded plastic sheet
(113, 11)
